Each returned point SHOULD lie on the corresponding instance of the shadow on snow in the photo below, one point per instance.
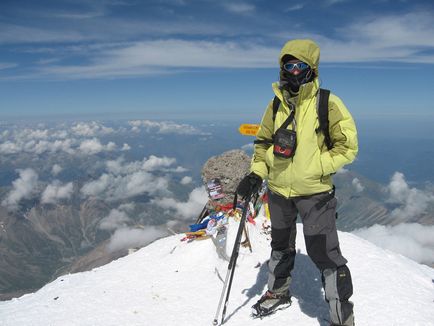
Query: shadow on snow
(306, 287)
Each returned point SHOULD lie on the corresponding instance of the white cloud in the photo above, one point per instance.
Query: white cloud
(295, 7)
(412, 240)
(124, 180)
(186, 180)
(115, 187)
(125, 147)
(56, 169)
(101, 32)
(116, 166)
(111, 146)
(46, 146)
(91, 129)
(22, 188)
(407, 37)
(247, 147)
(334, 2)
(412, 201)
(192, 54)
(409, 29)
(61, 134)
(146, 58)
(119, 167)
(189, 209)
(96, 12)
(164, 127)
(154, 163)
(56, 191)
(36, 134)
(5, 134)
(126, 238)
(7, 65)
(37, 147)
(39, 141)
(9, 147)
(98, 187)
(94, 146)
(239, 7)
(26, 134)
(357, 185)
(114, 220)
(127, 207)
(342, 171)
(404, 38)
(178, 169)
(10, 33)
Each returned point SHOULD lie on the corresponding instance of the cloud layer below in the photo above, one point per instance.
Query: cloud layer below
(412, 201)
(126, 238)
(412, 240)
(22, 188)
(185, 210)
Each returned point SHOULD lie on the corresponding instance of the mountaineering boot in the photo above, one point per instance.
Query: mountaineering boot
(348, 322)
(269, 303)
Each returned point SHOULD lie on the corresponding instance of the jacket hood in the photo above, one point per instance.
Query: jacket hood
(305, 50)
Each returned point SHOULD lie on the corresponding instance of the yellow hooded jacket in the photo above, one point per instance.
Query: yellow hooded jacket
(309, 170)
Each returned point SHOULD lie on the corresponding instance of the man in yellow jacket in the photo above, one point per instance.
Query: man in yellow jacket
(291, 154)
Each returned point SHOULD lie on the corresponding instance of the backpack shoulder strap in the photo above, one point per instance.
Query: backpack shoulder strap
(323, 116)
(276, 103)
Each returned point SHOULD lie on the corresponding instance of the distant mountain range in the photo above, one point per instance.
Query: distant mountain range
(363, 208)
(49, 240)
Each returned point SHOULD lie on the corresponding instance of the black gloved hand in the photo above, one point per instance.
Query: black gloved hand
(250, 184)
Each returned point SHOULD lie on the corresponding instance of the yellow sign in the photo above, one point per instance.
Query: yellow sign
(248, 129)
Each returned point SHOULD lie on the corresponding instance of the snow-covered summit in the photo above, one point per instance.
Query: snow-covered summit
(176, 283)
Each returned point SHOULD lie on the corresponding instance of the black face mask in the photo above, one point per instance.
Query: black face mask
(292, 83)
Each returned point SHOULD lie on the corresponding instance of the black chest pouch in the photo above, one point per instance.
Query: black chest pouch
(285, 142)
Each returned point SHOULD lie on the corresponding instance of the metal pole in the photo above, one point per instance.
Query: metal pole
(225, 284)
(232, 264)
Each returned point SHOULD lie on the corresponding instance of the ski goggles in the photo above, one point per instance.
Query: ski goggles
(290, 67)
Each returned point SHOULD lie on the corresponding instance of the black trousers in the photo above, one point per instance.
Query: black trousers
(317, 213)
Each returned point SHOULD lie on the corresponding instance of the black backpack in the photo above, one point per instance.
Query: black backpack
(323, 116)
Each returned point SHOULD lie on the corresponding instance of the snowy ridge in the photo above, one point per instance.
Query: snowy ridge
(175, 283)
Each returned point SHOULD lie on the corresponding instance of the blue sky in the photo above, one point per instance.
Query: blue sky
(180, 58)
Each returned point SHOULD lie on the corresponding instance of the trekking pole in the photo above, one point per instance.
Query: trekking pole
(232, 263)
(246, 242)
